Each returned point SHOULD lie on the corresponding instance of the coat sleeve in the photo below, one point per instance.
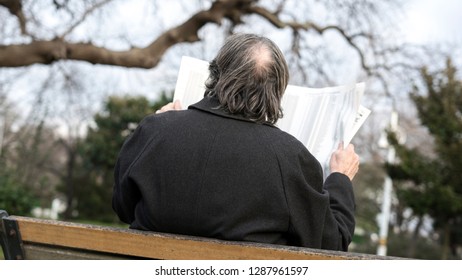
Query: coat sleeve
(340, 214)
(126, 194)
(321, 214)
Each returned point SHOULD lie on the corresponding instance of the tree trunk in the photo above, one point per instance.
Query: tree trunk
(446, 241)
(413, 241)
(69, 181)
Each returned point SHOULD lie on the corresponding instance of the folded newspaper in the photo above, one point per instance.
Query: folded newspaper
(319, 117)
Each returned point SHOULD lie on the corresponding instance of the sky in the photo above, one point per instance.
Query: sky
(434, 21)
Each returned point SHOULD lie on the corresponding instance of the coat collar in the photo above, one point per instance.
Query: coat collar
(212, 105)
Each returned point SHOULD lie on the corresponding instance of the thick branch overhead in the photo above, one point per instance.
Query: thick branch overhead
(46, 52)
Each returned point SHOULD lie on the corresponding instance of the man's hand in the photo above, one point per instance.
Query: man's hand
(170, 106)
(345, 160)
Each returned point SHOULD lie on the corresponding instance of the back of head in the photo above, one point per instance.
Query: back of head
(249, 76)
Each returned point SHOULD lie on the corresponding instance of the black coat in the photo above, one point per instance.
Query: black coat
(207, 173)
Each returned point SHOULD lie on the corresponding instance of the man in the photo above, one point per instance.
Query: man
(221, 169)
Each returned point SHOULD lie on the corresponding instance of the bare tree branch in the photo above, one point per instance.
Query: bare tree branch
(84, 16)
(46, 52)
(15, 8)
(275, 20)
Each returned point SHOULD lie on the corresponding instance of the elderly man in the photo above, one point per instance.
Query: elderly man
(222, 169)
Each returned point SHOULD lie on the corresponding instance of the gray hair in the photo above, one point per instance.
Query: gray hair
(249, 76)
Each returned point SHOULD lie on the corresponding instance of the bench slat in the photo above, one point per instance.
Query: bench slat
(143, 244)
(47, 252)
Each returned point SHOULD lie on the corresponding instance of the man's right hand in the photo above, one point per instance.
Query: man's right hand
(345, 160)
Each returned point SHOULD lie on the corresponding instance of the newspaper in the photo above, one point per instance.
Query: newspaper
(320, 118)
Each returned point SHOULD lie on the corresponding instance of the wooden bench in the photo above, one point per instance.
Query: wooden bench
(31, 238)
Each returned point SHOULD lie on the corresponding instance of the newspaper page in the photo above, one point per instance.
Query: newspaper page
(190, 84)
(320, 118)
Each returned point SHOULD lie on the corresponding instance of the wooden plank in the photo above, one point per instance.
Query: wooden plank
(47, 252)
(161, 246)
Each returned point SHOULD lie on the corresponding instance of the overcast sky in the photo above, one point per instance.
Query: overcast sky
(434, 21)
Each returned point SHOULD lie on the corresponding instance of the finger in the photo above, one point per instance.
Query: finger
(350, 148)
(165, 108)
(169, 106)
(177, 105)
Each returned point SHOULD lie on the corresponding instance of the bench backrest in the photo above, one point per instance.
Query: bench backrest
(30, 238)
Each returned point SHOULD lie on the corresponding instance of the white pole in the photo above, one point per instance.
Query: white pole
(387, 190)
(385, 217)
